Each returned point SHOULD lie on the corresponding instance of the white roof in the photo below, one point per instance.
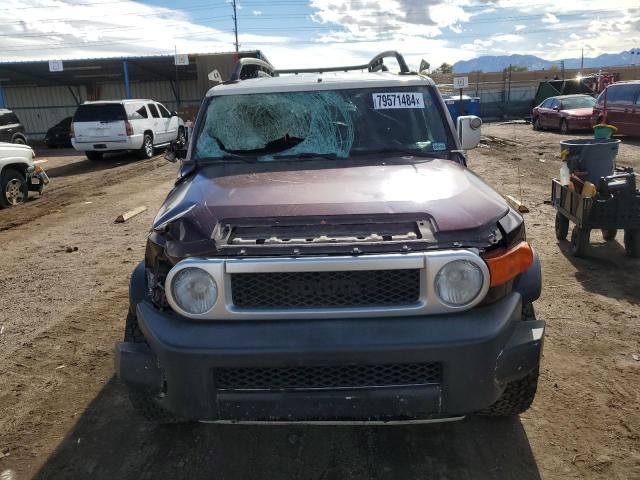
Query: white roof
(319, 81)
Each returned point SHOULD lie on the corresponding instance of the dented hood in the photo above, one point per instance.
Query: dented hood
(446, 192)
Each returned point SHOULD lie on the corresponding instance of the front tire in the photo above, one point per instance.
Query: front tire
(518, 395)
(142, 403)
(564, 127)
(146, 151)
(19, 141)
(535, 124)
(13, 188)
(516, 398)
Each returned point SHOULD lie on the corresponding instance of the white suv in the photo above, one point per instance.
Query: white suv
(110, 126)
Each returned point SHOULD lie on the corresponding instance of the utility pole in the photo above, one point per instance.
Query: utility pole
(582, 62)
(235, 25)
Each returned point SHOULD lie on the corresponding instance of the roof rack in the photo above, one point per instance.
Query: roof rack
(265, 69)
(375, 65)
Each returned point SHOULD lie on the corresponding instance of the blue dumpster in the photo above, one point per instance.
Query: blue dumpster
(471, 106)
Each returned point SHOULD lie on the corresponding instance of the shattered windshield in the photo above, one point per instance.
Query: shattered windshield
(335, 123)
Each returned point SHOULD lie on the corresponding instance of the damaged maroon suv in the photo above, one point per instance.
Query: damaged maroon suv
(326, 256)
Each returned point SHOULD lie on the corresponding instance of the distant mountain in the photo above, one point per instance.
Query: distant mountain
(500, 62)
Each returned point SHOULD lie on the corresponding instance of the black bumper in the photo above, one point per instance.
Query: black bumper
(477, 352)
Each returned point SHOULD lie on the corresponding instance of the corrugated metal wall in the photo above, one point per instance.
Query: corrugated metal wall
(39, 108)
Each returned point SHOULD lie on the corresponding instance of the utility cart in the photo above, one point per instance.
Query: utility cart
(615, 206)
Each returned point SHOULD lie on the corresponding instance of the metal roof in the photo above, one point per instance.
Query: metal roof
(97, 70)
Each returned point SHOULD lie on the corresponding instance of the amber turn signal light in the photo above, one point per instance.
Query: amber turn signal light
(506, 265)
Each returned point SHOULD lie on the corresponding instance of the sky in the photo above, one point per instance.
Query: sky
(298, 33)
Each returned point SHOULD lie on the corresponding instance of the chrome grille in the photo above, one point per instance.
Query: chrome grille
(327, 378)
(367, 288)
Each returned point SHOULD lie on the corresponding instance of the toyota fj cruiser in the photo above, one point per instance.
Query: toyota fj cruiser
(326, 256)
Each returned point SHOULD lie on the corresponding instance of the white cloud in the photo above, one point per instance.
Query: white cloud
(507, 38)
(418, 28)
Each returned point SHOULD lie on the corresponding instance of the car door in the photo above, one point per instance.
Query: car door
(628, 108)
(543, 112)
(553, 117)
(612, 106)
(156, 124)
(5, 135)
(170, 126)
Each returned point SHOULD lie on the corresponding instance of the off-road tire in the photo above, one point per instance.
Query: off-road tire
(516, 398)
(564, 127)
(535, 123)
(562, 226)
(579, 241)
(632, 243)
(609, 235)
(146, 151)
(16, 179)
(94, 156)
(143, 404)
(519, 394)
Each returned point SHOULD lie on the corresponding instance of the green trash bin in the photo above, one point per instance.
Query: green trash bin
(603, 131)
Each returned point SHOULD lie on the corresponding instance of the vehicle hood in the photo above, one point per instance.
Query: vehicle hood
(447, 193)
(579, 112)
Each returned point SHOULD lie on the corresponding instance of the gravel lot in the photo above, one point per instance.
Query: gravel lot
(65, 416)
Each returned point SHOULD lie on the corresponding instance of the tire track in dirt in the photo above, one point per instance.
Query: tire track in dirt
(64, 191)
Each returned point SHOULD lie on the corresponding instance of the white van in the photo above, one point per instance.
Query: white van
(110, 126)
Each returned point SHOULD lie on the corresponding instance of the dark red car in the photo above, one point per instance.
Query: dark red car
(622, 107)
(565, 113)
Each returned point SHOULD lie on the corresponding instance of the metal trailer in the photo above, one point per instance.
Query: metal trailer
(615, 207)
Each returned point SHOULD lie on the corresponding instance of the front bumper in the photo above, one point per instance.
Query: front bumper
(479, 351)
(579, 123)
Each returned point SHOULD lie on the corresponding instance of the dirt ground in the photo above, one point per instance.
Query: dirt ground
(64, 415)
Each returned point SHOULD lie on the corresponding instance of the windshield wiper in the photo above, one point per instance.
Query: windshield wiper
(416, 153)
(307, 155)
(230, 156)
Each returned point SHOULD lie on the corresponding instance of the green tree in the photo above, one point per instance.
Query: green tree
(445, 68)
(517, 68)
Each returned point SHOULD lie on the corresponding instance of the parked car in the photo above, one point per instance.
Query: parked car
(18, 174)
(111, 126)
(326, 255)
(565, 113)
(60, 134)
(622, 107)
(11, 130)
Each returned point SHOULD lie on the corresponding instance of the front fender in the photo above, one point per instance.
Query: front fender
(529, 283)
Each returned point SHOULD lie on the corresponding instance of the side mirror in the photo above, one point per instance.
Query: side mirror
(175, 151)
(174, 113)
(556, 108)
(469, 131)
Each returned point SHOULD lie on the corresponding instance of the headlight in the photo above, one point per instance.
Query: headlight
(459, 282)
(194, 290)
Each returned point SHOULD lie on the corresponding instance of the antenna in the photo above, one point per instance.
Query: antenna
(235, 25)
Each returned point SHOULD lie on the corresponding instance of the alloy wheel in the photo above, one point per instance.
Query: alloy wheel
(13, 192)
